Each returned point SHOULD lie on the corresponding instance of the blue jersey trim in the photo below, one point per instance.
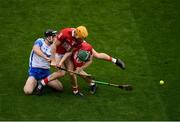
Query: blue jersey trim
(31, 60)
(39, 42)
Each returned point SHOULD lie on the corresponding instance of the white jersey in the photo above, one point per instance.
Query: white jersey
(36, 61)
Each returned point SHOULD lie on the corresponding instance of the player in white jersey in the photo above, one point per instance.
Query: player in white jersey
(39, 63)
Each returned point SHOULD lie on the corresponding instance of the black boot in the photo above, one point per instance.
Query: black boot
(39, 89)
(79, 94)
(93, 89)
(120, 63)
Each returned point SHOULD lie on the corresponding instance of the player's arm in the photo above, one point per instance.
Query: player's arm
(106, 57)
(103, 56)
(37, 50)
(88, 63)
(53, 49)
(66, 55)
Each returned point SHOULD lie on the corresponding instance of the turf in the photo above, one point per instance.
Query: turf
(144, 33)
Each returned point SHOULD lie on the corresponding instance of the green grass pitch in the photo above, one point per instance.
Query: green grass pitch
(144, 33)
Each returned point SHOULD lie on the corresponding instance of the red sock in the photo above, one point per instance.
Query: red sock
(45, 81)
(109, 59)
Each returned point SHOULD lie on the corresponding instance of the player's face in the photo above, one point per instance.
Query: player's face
(51, 39)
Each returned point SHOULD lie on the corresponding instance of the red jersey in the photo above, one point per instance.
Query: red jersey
(67, 40)
(83, 46)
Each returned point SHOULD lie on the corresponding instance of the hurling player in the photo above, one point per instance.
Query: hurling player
(39, 63)
(67, 40)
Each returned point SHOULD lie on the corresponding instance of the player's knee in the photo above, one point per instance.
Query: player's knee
(27, 91)
(60, 89)
(57, 86)
(61, 73)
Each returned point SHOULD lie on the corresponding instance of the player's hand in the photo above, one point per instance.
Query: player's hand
(48, 59)
(78, 70)
(59, 65)
(52, 60)
(53, 63)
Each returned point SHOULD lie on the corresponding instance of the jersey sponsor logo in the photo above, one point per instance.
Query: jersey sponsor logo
(46, 50)
(66, 46)
(59, 36)
(73, 42)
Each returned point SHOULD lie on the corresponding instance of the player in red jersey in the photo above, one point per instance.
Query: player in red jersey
(75, 57)
(82, 57)
(67, 39)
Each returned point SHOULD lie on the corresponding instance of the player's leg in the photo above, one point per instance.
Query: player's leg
(47, 81)
(92, 84)
(55, 75)
(106, 57)
(59, 73)
(49, 77)
(30, 85)
(44, 74)
(56, 84)
(75, 88)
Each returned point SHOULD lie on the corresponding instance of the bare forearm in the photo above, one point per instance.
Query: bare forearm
(37, 50)
(87, 64)
(65, 57)
(103, 56)
(53, 52)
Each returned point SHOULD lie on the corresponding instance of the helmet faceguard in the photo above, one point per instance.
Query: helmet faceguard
(50, 32)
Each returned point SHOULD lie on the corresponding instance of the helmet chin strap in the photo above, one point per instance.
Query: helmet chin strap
(49, 41)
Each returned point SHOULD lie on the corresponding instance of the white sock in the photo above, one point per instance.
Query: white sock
(43, 83)
(92, 83)
(114, 60)
(76, 91)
